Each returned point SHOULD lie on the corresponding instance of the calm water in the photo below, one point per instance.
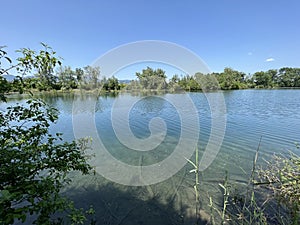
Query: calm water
(273, 115)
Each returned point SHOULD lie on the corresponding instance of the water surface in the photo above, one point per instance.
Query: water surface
(272, 115)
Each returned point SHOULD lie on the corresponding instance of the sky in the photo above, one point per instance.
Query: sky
(248, 36)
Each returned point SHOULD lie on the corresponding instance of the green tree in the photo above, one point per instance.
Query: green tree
(5, 87)
(111, 84)
(30, 83)
(90, 78)
(207, 82)
(152, 79)
(231, 79)
(174, 83)
(260, 79)
(272, 78)
(66, 78)
(79, 74)
(34, 163)
(289, 77)
(43, 63)
(189, 83)
(174, 80)
(265, 79)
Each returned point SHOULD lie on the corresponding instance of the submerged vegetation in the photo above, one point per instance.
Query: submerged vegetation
(272, 195)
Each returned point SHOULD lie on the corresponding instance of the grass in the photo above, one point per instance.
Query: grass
(197, 183)
(272, 194)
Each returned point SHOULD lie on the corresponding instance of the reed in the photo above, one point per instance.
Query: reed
(197, 183)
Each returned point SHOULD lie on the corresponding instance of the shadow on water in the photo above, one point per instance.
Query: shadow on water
(118, 204)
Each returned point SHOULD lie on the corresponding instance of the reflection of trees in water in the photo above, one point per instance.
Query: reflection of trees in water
(150, 104)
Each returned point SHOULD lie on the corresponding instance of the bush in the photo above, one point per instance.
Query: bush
(34, 163)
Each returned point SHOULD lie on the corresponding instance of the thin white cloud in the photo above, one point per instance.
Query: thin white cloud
(250, 53)
(270, 60)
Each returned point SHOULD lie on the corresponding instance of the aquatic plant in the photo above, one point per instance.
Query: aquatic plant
(282, 178)
(197, 183)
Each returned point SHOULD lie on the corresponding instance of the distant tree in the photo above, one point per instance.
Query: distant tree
(152, 79)
(66, 78)
(289, 77)
(111, 84)
(175, 79)
(5, 87)
(189, 83)
(174, 83)
(262, 79)
(207, 82)
(90, 78)
(30, 83)
(134, 85)
(79, 73)
(231, 79)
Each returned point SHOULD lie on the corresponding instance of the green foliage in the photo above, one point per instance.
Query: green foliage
(43, 63)
(284, 77)
(79, 74)
(231, 79)
(111, 84)
(189, 83)
(207, 82)
(34, 163)
(263, 79)
(4, 84)
(274, 199)
(282, 178)
(66, 78)
(5, 87)
(3, 55)
(151, 79)
(89, 77)
(288, 77)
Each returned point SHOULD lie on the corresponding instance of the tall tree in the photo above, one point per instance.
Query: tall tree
(111, 84)
(231, 79)
(91, 78)
(66, 77)
(152, 79)
(43, 63)
(34, 163)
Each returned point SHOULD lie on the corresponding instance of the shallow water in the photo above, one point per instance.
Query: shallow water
(272, 115)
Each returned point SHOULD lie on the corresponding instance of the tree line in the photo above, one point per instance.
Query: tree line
(64, 78)
(229, 79)
(47, 73)
(46, 78)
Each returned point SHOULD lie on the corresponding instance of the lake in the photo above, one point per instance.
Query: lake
(138, 131)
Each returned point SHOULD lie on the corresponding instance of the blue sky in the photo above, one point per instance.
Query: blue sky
(246, 35)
